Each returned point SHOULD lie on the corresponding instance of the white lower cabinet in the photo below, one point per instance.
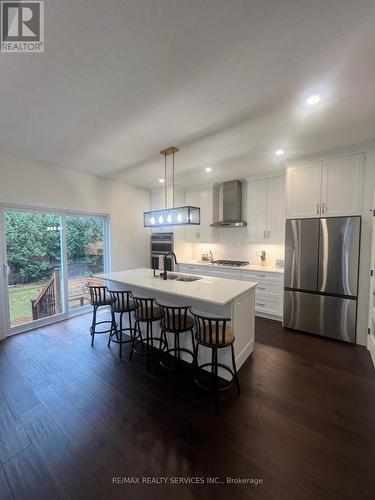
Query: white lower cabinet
(269, 292)
(190, 269)
(230, 274)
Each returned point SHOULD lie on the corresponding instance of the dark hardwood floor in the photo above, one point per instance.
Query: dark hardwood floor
(74, 417)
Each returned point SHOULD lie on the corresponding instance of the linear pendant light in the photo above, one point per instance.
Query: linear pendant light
(175, 216)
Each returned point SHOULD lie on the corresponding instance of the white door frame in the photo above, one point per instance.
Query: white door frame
(5, 327)
(371, 314)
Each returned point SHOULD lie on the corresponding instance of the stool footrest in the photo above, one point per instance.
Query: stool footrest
(148, 348)
(213, 389)
(174, 349)
(116, 333)
(93, 330)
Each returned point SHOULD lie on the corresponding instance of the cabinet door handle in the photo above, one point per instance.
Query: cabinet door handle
(261, 287)
(269, 233)
(318, 208)
(264, 233)
(323, 208)
(260, 304)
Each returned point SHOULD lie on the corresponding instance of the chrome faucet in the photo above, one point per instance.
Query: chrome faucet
(165, 263)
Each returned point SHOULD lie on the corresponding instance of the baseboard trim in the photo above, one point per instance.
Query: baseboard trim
(269, 316)
(371, 348)
(244, 354)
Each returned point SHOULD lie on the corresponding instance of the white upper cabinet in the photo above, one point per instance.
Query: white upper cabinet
(276, 209)
(342, 185)
(256, 216)
(265, 214)
(303, 190)
(331, 187)
(207, 200)
(191, 232)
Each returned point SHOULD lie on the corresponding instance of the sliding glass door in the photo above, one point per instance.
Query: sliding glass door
(47, 258)
(33, 266)
(85, 241)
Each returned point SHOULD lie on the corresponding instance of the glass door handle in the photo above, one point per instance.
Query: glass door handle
(5, 270)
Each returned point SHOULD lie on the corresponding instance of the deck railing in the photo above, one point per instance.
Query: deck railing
(48, 301)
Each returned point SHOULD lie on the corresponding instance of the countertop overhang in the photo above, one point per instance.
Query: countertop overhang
(208, 289)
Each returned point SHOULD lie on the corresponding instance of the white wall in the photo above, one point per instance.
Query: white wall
(365, 256)
(30, 183)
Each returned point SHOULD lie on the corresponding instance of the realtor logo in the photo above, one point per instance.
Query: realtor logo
(22, 26)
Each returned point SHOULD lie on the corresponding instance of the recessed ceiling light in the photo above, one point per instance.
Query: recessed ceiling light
(161, 181)
(313, 99)
(208, 169)
(279, 152)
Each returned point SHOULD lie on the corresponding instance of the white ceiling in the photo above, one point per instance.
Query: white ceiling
(224, 80)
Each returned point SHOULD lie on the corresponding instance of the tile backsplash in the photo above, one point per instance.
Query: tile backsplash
(233, 245)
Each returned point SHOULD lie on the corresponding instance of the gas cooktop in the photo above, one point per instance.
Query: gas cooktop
(234, 263)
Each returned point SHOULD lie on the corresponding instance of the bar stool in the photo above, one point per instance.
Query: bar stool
(147, 311)
(176, 320)
(98, 298)
(122, 304)
(215, 334)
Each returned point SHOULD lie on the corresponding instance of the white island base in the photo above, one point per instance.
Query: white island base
(209, 296)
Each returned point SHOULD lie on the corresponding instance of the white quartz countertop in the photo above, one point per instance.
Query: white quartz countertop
(207, 289)
(249, 267)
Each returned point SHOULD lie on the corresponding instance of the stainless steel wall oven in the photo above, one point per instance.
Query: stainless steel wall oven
(161, 243)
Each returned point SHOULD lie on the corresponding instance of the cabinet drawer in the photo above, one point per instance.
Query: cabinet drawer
(269, 287)
(223, 273)
(191, 269)
(263, 277)
(268, 305)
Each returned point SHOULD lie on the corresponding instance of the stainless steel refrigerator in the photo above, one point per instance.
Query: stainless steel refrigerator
(321, 276)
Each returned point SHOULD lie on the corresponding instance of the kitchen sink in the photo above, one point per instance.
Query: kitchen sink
(172, 276)
(183, 277)
(188, 278)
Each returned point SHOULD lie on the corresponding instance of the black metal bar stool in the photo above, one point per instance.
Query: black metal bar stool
(214, 333)
(123, 303)
(176, 320)
(99, 297)
(147, 311)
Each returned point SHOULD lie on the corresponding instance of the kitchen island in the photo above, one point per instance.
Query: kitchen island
(208, 295)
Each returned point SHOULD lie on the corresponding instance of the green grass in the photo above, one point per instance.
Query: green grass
(20, 302)
(20, 297)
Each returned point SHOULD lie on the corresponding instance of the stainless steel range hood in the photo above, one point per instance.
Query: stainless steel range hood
(232, 205)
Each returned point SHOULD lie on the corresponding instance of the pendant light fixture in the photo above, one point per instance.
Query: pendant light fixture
(172, 216)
